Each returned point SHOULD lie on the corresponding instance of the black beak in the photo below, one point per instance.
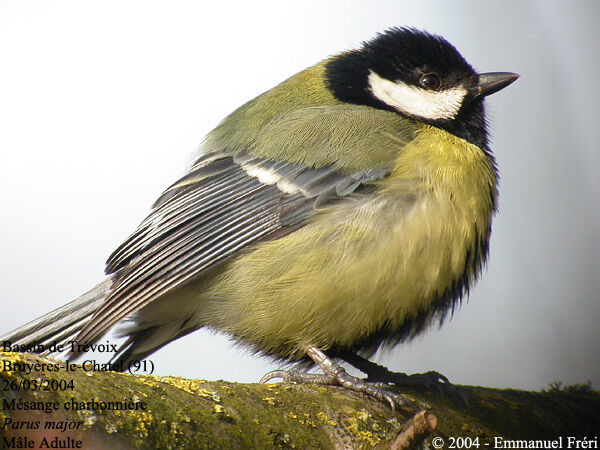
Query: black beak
(493, 82)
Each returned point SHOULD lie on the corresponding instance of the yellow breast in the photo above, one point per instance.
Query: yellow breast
(369, 264)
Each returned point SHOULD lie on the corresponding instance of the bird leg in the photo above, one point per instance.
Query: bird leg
(335, 375)
(381, 374)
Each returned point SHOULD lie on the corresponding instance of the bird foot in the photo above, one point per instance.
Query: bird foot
(378, 373)
(335, 375)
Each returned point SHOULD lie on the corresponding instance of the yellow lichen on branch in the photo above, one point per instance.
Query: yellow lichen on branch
(105, 409)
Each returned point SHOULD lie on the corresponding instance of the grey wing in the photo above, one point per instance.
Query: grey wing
(224, 204)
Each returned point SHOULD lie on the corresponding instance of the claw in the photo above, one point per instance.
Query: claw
(391, 400)
(334, 374)
(274, 374)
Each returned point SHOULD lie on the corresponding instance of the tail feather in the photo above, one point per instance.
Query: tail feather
(141, 343)
(63, 324)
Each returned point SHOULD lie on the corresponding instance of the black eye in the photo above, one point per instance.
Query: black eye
(430, 81)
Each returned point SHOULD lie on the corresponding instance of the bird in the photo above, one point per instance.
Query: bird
(344, 211)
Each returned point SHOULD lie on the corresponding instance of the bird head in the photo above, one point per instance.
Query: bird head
(418, 75)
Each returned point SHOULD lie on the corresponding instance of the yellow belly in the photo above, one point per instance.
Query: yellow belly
(366, 266)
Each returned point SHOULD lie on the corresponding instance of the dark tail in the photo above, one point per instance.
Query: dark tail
(61, 325)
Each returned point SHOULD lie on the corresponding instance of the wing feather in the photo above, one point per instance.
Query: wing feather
(225, 203)
(178, 269)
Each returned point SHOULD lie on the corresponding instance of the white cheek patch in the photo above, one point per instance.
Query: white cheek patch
(416, 101)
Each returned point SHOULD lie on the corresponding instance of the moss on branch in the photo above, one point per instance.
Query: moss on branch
(179, 413)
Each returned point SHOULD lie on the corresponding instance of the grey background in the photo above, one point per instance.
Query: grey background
(101, 104)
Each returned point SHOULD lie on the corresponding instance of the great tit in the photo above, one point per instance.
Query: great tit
(343, 211)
